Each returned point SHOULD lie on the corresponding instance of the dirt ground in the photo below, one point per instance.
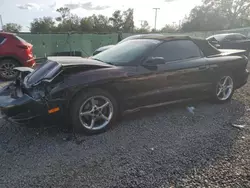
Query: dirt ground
(165, 147)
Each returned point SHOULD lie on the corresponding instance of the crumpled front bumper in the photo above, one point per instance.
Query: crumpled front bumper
(21, 110)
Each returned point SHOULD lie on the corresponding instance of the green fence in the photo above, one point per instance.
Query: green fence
(50, 44)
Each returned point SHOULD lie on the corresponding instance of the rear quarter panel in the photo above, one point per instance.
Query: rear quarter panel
(227, 65)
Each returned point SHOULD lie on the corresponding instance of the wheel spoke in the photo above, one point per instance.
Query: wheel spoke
(225, 81)
(104, 105)
(104, 117)
(88, 113)
(93, 102)
(224, 93)
(229, 87)
(220, 90)
(92, 123)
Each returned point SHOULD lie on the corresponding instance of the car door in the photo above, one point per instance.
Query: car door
(184, 75)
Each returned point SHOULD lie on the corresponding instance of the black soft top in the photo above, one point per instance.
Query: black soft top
(206, 47)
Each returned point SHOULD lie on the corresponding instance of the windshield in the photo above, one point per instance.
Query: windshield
(127, 51)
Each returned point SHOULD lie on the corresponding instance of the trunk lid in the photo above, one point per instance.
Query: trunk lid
(226, 52)
(231, 52)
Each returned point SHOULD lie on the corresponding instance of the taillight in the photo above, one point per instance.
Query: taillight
(22, 46)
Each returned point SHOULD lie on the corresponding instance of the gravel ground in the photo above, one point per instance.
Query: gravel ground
(163, 147)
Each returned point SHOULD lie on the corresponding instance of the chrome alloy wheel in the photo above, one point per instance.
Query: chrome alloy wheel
(96, 112)
(224, 88)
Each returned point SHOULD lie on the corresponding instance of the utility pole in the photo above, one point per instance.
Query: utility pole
(1, 23)
(156, 10)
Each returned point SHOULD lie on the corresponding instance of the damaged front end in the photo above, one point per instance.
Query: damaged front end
(27, 99)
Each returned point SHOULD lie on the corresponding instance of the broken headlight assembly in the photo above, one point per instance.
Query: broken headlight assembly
(37, 92)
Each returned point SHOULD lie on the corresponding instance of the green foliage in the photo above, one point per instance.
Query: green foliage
(42, 25)
(12, 27)
(169, 29)
(211, 15)
(68, 22)
(218, 15)
(145, 28)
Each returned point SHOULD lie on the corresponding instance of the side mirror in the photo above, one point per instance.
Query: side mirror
(153, 61)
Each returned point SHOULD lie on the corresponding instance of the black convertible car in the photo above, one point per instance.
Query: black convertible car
(136, 74)
(230, 41)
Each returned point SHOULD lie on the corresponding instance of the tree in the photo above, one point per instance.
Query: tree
(217, 15)
(116, 20)
(128, 20)
(236, 11)
(123, 21)
(145, 28)
(203, 18)
(101, 23)
(42, 25)
(87, 24)
(12, 27)
(169, 29)
(64, 12)
(72, 23)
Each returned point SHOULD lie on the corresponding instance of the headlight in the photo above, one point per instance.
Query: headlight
(37, 93)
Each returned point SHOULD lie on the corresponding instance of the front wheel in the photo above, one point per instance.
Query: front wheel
(93, 112)
(224, 89)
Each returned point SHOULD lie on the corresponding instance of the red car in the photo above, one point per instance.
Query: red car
(14, 52)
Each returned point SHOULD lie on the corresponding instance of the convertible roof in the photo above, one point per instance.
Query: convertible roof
(203, 44)
(163, 37)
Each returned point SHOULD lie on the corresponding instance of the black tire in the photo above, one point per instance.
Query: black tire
(218, 99)
(13, 63)
(79, 100)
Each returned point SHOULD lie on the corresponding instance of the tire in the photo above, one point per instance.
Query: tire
(223, 94)
(6, 67)
(83, 101)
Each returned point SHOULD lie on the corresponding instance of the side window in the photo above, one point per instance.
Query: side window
(177, 50)
(235, 37)
(1, 40)
(229, 38)
(240, 37)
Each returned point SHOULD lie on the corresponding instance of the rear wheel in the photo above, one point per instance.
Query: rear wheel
(93, 112)
(224, 89)
(7, 71)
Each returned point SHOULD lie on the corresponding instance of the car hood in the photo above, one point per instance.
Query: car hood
(67, 61)
(56, 65)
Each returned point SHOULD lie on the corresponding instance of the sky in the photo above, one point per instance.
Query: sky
(24, 11)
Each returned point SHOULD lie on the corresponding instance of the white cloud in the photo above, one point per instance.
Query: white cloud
(170, 1)
(86, 6)
(89, 6)
(53, 6)
(29, 6)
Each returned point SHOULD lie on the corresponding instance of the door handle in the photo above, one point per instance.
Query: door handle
(204, 67)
